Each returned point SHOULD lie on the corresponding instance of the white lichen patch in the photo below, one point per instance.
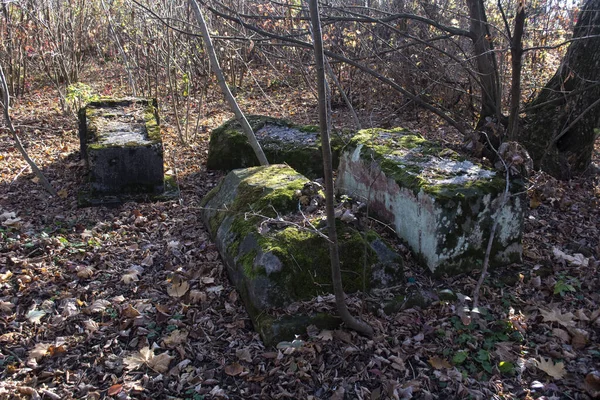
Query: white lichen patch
(440, 171)
(119, 133)
(286, 134)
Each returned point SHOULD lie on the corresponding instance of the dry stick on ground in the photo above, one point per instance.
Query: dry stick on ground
(340, 298)
(214, 62)
(488, 250)
(11, 128)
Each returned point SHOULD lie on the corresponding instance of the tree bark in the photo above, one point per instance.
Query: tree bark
(486, 61)
(516, 54)
(560, 132)
(214, 62)
(340, 298)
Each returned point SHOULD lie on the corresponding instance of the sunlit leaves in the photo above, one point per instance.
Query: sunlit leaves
(555, 370)
(178, 289)
(146, 357)
(34, 316)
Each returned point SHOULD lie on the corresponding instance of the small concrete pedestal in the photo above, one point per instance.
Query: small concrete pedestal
(122, 146)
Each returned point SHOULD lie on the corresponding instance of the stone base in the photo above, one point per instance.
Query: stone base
(440, 204)
(272, 263)
(87, 197)
(122, 146)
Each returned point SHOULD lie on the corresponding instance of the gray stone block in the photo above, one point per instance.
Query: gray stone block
(273, 263)
(122, 146)
(282, 142)
(440, 204)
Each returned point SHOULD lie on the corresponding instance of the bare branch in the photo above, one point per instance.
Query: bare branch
(11, 128)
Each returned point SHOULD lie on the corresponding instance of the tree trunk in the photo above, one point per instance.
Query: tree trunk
(560, 128)
(516, 54)
(340, 299)
(486, 61)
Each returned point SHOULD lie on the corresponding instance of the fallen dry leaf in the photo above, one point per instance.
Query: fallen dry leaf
(132, 274)
(34, 316)
(6, 276)
(325, 335)
(561, 334)
(114, 390)
(580, 338)
(243, 355)
(39, 351)
(555, 315)
(175, 338)
(145, 357)
(439, 363)
(576, 259)
(138, 359)
(397, 363)
(160, 363)
(85, 272)
(91, 325)
(197, 296)
(580, 314)
(178, 289)
(234, 369)
(556, 371)
(130, 312)
(592, 384)
(6, 306)
(56, 351)
(148, 261)
(98, 306)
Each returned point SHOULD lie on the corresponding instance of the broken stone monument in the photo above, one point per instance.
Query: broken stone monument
(121, 144)
(282, 142)
(274, 261)
(442, 205)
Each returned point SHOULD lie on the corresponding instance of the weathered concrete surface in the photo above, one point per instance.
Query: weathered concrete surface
(283, 142)
(273, 264)
(122, 145)
(440, 204)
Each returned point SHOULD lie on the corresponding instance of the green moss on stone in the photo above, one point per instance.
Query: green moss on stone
(268, 192)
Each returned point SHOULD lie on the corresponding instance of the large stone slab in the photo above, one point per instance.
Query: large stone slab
(122, 145)
(273, 263)
(442, 205)
(282, 141)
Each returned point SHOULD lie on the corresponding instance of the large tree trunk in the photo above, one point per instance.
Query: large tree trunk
(486, 61)
(559, 129)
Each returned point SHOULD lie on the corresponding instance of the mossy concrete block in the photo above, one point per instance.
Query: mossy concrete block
(282, 142)
(440, 204)
(273, 264)
(122, 146)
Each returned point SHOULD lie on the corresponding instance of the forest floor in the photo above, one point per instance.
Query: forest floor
(90, 305)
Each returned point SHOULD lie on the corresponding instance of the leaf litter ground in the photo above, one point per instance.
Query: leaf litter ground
(134, 302)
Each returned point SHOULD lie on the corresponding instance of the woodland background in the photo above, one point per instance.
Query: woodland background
(133, 302)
